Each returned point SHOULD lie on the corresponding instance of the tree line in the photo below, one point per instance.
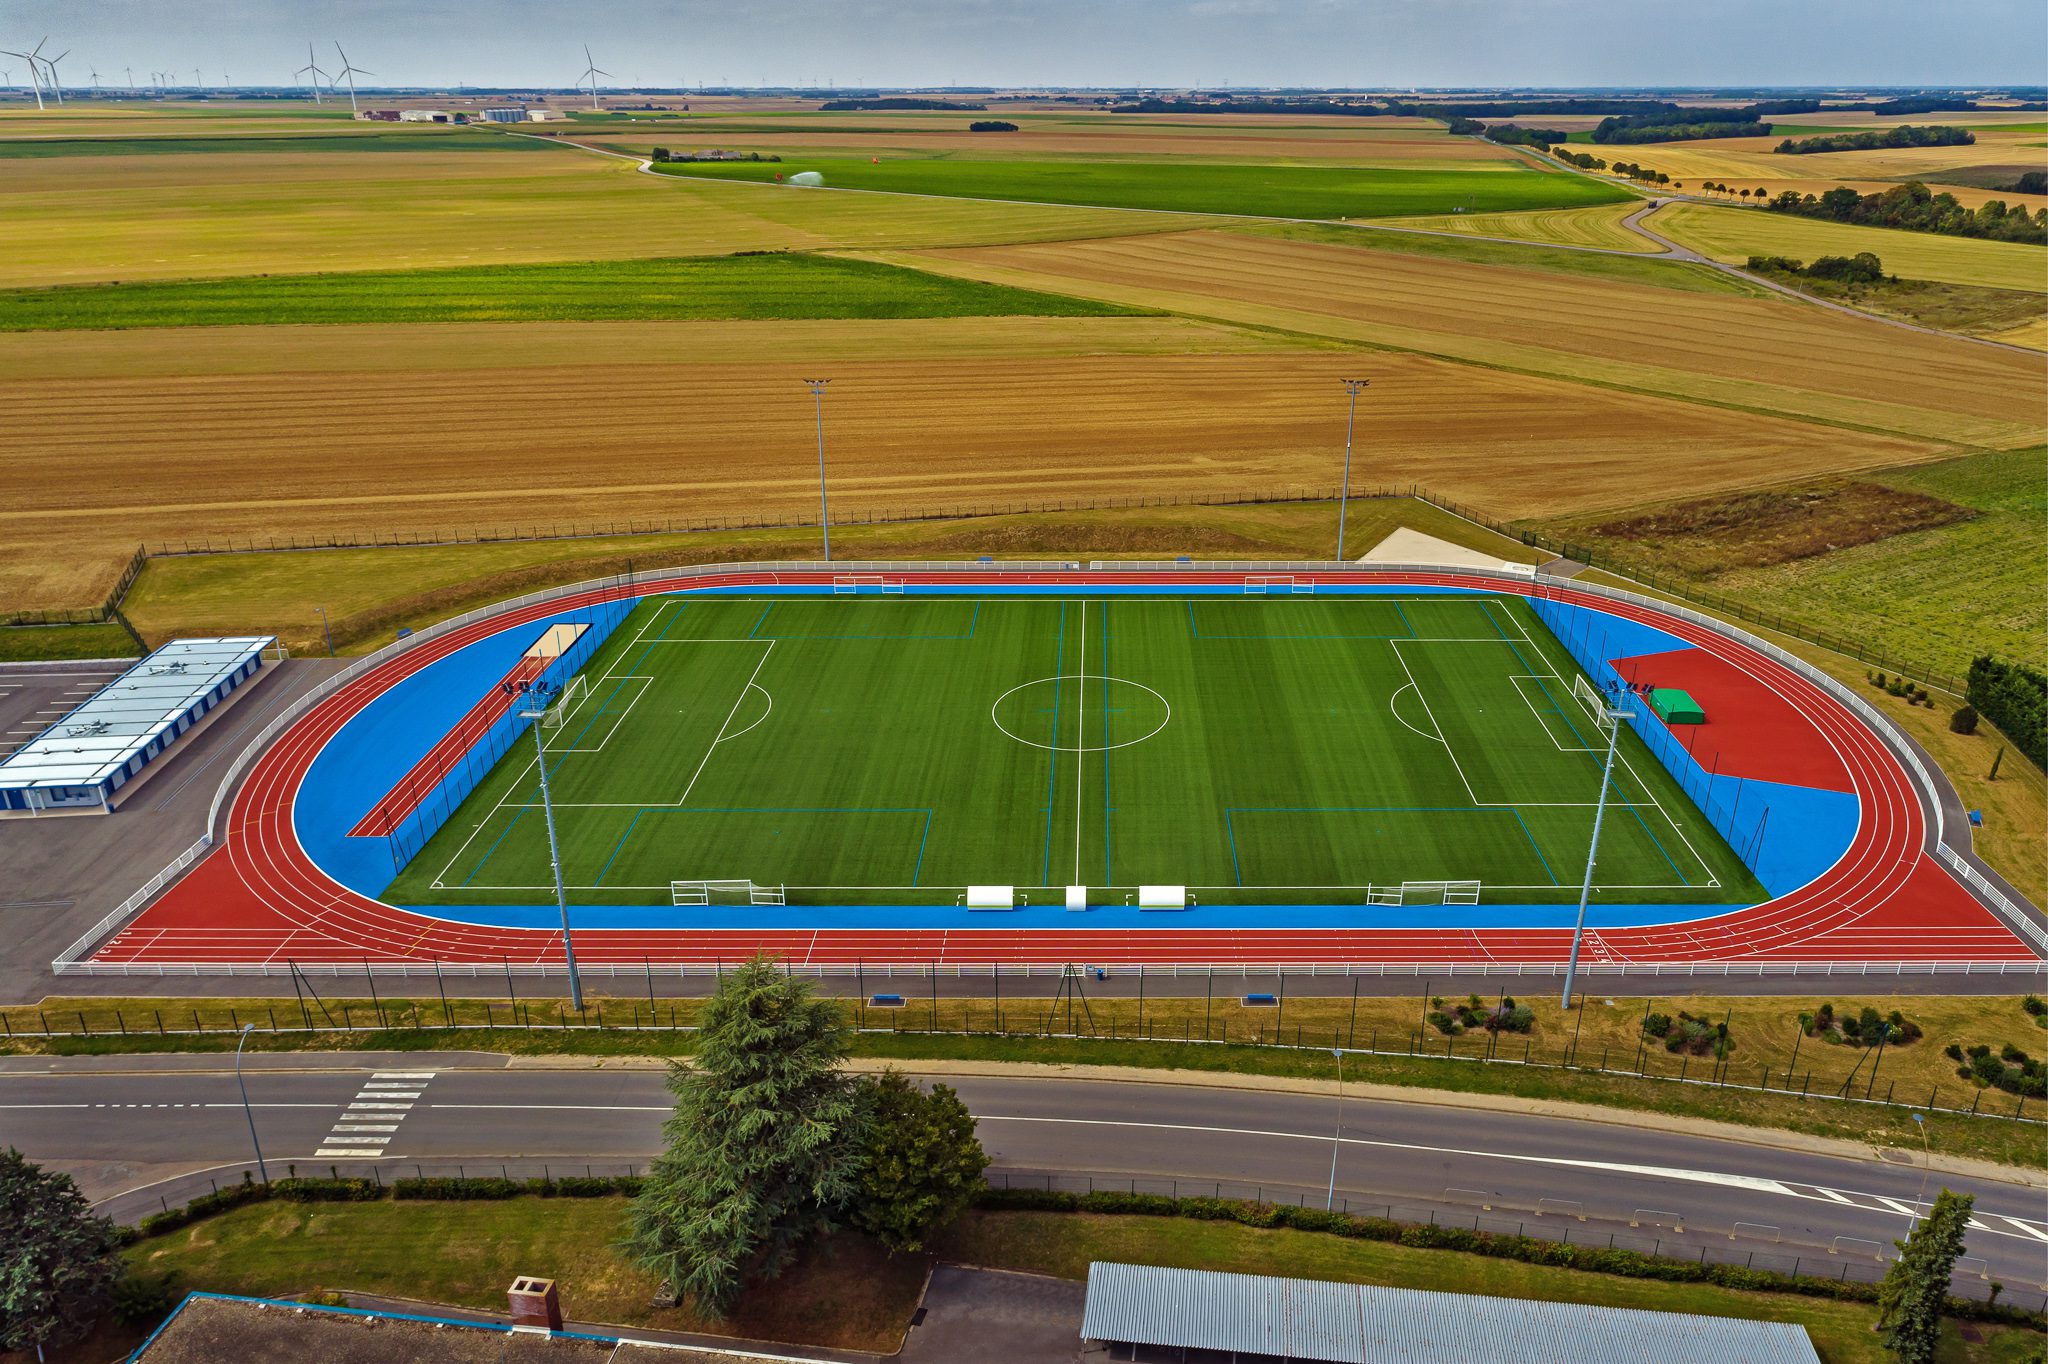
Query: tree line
(1862, 268)
(2013, 697)
(1915, 208)
(1907, 135)
(897, 102)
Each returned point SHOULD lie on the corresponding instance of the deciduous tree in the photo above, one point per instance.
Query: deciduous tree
(58, 1262)
(920, 1162)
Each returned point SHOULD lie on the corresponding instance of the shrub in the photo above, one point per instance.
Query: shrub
(1953, 1051)
(1964, 721)
(454, 1190)
(143, 1300)
(2035, 1006)
(323, 1191)
(1657, 1025)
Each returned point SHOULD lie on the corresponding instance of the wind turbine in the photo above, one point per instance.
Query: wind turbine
(313, 67)
(95, 84)
(351, 70)
(198, 81)
(50, 65)
(35, 81)
(591, 73)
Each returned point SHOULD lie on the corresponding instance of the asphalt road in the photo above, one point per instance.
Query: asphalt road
(135, 1130)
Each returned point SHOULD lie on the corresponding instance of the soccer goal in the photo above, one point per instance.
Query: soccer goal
(850, 584)
(572, 695)
(1424, 893)
(1596, 705)
(1262, 584)
(725, 893)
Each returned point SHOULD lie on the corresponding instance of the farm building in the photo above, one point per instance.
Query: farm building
(502, 115)
(430, 116)
(544, 116)
(377, 116)
(82, 760)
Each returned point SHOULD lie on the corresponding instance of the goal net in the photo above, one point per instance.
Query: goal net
(1596, 706)
(847, 584)
(724, 893)
(566, 703)
(1259, 584)
(1425, 893)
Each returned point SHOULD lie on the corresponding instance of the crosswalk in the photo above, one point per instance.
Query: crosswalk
(372, 1118)
(1997, 1224)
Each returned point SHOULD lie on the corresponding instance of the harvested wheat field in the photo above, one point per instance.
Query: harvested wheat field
(282, 431)
(73, 220)
(1598, 226)
(1749, 162)
(1773, 356)
(1410, 149)
(1733, 234)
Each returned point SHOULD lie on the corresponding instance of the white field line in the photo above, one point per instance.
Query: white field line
(1561, 746)
(618, 718)
(1470, 795)
(737, 702)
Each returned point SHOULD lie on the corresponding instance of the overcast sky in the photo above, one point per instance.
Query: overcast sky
(1374, 43)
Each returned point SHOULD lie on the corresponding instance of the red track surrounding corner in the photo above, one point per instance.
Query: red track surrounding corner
(259, 900)
(419, 782)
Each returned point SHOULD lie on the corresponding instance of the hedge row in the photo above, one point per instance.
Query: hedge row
(434, 1188)
(2015, 698)
(1631, 1264)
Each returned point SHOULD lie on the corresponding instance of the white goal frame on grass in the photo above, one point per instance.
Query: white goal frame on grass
(848, 584)
(554, 715)
(700, 893)
(1265, 584)
(1597, 706)
(1425, 893)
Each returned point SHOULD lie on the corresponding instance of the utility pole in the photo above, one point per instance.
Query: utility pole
(1352, 387)
(1571, 970)
(817, 387)
(547, 805)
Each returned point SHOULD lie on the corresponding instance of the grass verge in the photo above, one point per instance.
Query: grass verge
(23, 643)
(1615, 1067)
(752, 287)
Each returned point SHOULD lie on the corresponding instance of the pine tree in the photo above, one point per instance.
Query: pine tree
(1916, 1287)
(763, 1144)
(920, 1165)
(58, 1262)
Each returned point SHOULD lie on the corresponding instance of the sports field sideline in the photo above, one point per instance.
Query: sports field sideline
(894, 750)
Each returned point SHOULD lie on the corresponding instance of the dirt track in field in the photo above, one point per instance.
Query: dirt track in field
(122, 436)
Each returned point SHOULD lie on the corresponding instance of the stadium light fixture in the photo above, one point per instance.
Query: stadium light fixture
(547, 805)
(247, 1111)
(1615, 716)
(817, 387)
(350, 70)
(1351, 387)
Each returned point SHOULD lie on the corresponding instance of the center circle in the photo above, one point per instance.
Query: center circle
(1074, 714)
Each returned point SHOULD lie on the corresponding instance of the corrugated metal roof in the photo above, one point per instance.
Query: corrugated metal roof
(1344, 1323)
(118, 721)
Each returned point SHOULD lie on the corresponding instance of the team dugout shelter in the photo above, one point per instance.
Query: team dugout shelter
(79, 763)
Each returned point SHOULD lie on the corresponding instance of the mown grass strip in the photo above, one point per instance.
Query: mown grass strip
(750, 287)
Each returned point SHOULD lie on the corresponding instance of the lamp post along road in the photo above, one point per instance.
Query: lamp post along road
(817, 387)
(1571, 970)
(547, 806)
(1351, 386)
(1336, 1134)
(247, 1111)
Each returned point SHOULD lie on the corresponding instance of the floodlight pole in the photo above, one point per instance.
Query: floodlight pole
(1336, 1134)
(247, 1111)
(1571, 970)
(1351, 386)
(817, 387)
(547, 805)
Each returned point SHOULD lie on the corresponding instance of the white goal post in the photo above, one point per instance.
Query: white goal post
(1596, 705)
(565, 703)
(1425, 893)
(1264, 584)
(731, 892)
(847, 584)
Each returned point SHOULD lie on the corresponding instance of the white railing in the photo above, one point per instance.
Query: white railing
(74, 956)
(2015, 915)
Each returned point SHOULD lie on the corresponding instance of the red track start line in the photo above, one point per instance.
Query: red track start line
(425, 776)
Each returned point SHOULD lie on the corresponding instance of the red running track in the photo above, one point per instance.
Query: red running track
(259, 900)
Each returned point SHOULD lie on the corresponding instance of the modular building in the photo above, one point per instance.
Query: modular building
(80, 762)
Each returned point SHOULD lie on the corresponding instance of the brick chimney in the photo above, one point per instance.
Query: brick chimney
(535, 1304)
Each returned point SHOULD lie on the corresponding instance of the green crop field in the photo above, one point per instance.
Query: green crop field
(430, 139)
(1269, 191)
(747, 286)
(879, 749)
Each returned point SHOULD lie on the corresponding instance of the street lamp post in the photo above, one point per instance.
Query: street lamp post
(817, 387)
(247, 1111)
(326, 633)
(1337, 1135)
(547, 805)
(1571, 970)
(1926, 1163)
(1351, 386)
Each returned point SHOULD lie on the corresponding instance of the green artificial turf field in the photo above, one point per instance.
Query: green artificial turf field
(1191, 186)
(863, 749)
